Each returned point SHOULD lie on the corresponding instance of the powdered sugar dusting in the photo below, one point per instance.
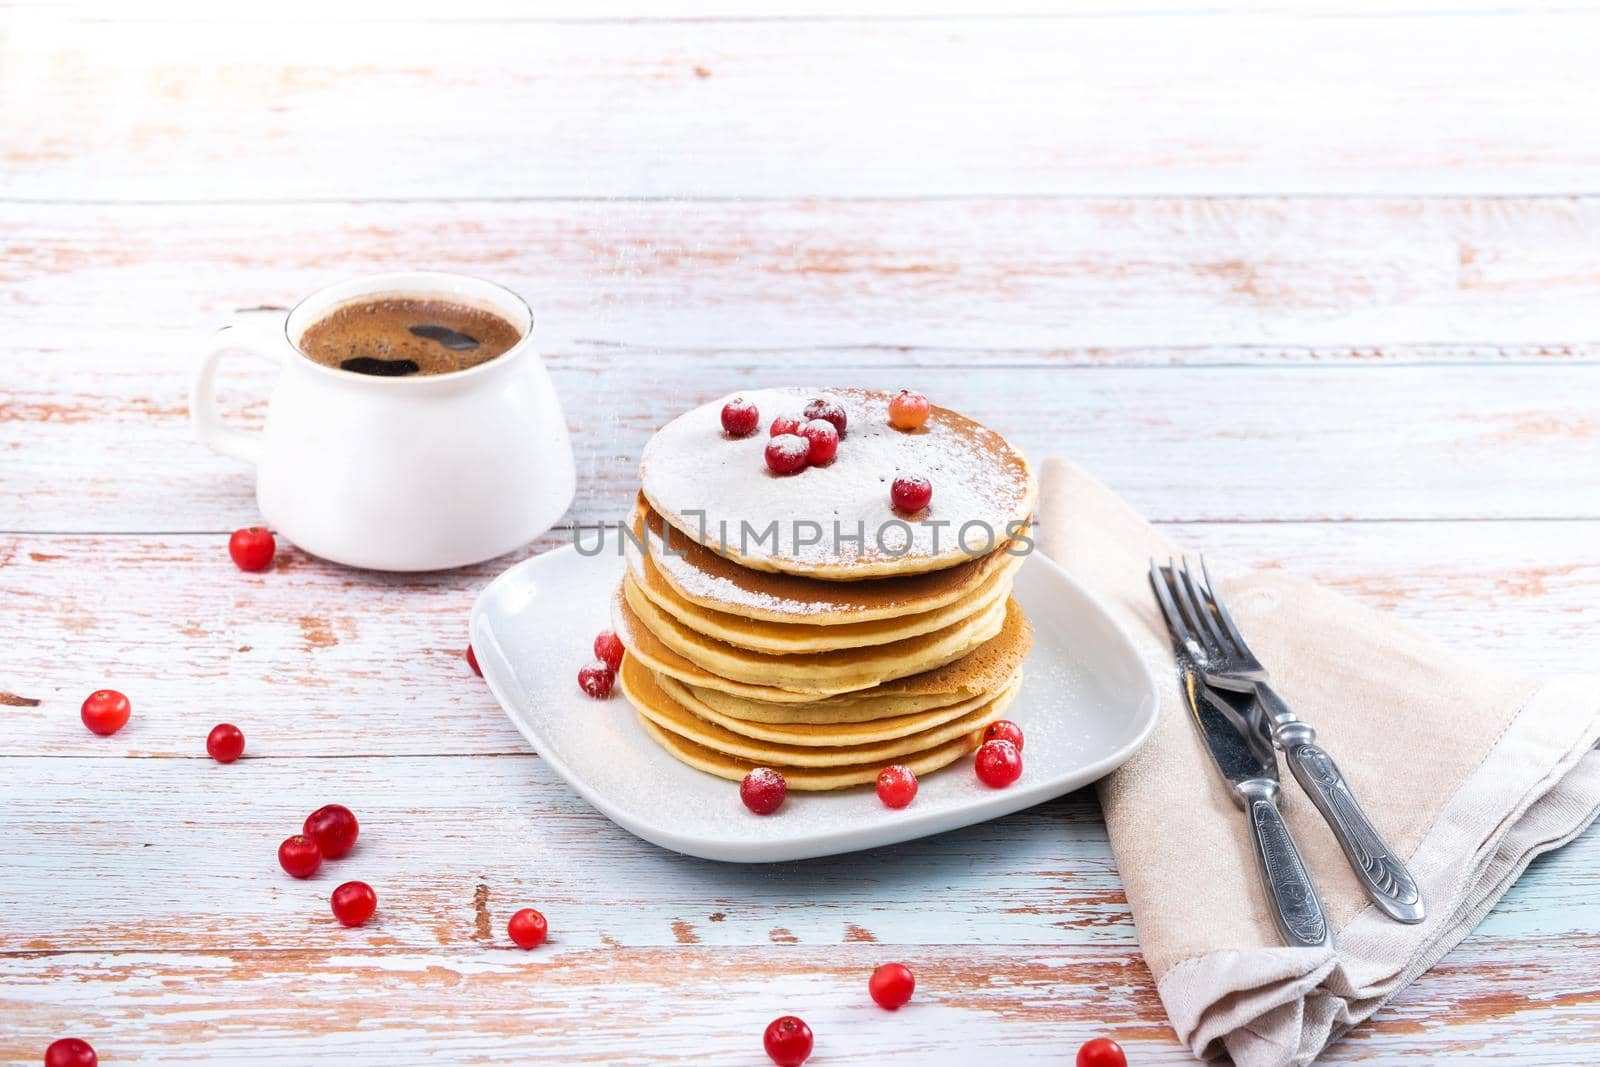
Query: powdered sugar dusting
(981, 485)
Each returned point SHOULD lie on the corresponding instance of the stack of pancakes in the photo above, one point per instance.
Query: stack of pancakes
(825, 661)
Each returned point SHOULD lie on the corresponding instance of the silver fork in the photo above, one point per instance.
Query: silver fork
(1225, 661)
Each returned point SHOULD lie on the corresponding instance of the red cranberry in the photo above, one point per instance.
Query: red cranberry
(596, 679)
(1101, 1052)
(891, 985)
(252, 548)
(908, 410)
(353, 903)
(763, 790)
(788, 1041)
(785, 424)
(740, 417)
(334, 828)
(826, 409)
(787, 453)
(824, 441)
(998, 764)
(911, 492)
(225, 742)
(527, 928)
(897, 786)
(1004, 730)
(300, 856)
(105, 711)
(70, 1052)
(608, 649)
(472, 661)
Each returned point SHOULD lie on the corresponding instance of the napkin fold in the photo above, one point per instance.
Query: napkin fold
(1468, 770)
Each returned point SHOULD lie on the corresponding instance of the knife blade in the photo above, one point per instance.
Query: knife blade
(1252, 777)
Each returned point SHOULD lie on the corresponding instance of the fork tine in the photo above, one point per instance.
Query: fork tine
(1190, 611)
(1222, 611)
(1203, 602)
(1158, 583)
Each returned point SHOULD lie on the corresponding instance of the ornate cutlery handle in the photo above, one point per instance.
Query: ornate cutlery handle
(1296, 907)
(1381, 872)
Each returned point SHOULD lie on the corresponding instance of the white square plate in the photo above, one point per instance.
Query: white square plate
(1087, 702)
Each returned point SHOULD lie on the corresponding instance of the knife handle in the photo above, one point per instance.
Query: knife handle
(1296, 908)
(1382, 874)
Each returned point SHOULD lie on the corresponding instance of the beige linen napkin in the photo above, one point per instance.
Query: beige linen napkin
(1467, 770)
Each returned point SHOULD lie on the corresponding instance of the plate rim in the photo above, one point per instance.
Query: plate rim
(818, 843)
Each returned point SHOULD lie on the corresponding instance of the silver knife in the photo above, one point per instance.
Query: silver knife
(1253, 777)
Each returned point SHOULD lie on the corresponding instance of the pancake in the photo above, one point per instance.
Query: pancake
(703, 578)
(980, 671)
(718, 490)
(654, 703)
(820, 734)
(786, 638)
(640, 642)
(803, 779)
(825, 673)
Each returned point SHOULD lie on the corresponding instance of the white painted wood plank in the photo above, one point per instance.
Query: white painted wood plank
(1017, 928)
(610, 1006)
(190, 844)
(314, 660)
(1223, 443)
(317, 11)
(1091, 278)
(696, 1005)
(1099, 105)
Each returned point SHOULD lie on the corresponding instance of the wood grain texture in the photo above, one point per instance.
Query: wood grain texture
(1098, 105)
(498, 1006)
(1068, 307)
(1018, 925)
(312, 660)
(1207, 444)
(1030, 281)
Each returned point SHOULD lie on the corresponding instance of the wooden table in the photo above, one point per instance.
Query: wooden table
(1315, 290)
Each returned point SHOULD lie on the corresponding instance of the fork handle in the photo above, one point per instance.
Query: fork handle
(1296, 908)
(1382, 874)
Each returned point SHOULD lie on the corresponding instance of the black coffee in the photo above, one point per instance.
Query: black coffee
(397, 336)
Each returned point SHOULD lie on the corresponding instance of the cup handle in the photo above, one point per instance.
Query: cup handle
(249, 335)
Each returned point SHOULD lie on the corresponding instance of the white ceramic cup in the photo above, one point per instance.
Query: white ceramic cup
(398, 474)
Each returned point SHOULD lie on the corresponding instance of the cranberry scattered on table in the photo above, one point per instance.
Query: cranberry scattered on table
(1101, 1052)
(225, 742)
(472, 661)
(897, 786)
(300, 856)
(527, 928)
(334, 828)
(353, 903)
(1004, 730)
(911, 492)
(891, 985)
(105, 711)
(998, 763)
(596, 679)
(740, 417)
(763, 790)
(252, 548)
(70, 1052)
(788, 1041)
(908, 410)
